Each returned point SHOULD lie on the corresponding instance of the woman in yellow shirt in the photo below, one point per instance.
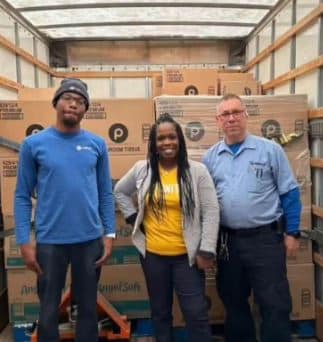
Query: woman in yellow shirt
(175, 228)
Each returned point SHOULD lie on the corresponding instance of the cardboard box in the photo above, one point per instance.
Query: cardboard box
(124, 124)
(20, 119)
(126, 137)
(238, 83)
(280, 118)
(123, 230)
(301, 283)
(304, 254)
(246, 87)
(216, 309)
(121, 255)
(124, 286)
(13, 258)
(8, 177)
(306, 218)
(8, 221)
(157, 85)
(36, 94)
(7, 152)
(196, 115)
(120, 165)
(123, 250)
(22, 295)
(235, 76)
(300, 163)
(190, 82)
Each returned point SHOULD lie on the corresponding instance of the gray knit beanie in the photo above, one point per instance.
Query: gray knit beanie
(72, 85)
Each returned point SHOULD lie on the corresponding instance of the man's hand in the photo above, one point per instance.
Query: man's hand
(107, 242)
(204, 263)
(28, 252)
(291, 244)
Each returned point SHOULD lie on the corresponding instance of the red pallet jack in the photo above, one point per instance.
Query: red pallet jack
(105, 309)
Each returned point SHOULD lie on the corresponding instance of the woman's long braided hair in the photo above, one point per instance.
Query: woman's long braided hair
(156, 198)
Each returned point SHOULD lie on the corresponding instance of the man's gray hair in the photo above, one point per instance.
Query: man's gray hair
(227, 97)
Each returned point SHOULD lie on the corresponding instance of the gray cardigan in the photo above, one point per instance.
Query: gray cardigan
(200, 234)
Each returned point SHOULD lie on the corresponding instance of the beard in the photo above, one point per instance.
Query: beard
(70, 122)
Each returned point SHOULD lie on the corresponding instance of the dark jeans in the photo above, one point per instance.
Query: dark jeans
(256, 261)
(54, 261)
(164, 274)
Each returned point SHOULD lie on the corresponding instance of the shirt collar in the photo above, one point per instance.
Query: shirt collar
(248, 143)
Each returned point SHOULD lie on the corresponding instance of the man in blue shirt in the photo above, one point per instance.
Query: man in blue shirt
(74, 217)
(258, 194)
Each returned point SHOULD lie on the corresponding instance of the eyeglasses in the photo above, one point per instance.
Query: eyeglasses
(236, 114)
(70, 98)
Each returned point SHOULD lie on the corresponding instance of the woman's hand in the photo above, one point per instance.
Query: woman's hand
(204, 263)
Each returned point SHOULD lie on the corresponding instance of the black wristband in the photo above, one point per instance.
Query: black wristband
(206, 255)
(296, 235)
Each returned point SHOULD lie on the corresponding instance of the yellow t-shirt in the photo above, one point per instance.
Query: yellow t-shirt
(164, 234)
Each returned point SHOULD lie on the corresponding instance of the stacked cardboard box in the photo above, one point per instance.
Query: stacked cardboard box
(122, 280)
(8, 177)
(269, 116)
(204, 82)
(123, 285)
(190, 82)
(238, 83)
(157, 85)
(122, 274)
(301, 283)
(125, 126)
(282, 118)
(124, 253)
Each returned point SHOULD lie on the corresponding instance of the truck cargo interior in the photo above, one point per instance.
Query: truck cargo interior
(141, 59)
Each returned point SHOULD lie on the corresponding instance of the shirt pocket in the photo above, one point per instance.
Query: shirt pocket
(259, 178)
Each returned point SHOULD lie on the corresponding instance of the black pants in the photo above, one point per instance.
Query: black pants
(256, 261)
(164, 274)
(54, 260)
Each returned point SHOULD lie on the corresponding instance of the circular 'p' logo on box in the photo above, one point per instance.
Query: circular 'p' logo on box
(271, 129)
(33, 129)
(118, 133)
(194, 131)
(191, 90)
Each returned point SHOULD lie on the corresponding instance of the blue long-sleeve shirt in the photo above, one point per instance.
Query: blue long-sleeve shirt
(292, 207)
(71, 176)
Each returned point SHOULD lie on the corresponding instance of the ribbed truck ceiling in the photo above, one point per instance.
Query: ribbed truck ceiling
(130, 19)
